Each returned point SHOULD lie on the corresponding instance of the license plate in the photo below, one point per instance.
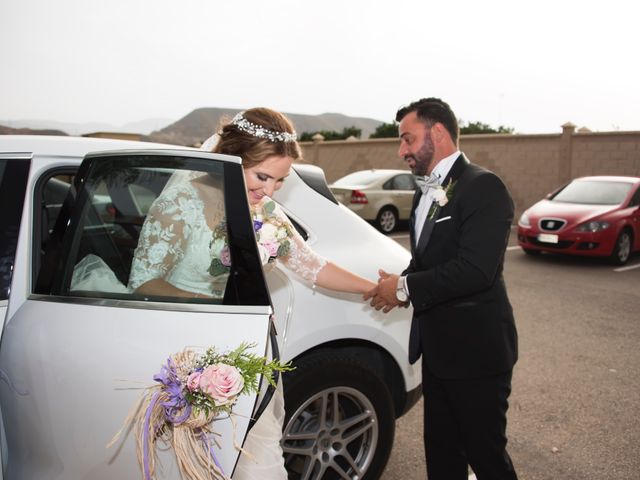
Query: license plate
(547, 238)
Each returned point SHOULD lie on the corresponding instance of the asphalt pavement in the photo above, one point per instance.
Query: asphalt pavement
(575, 407)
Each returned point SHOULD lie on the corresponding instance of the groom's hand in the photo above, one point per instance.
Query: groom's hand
(384, 297)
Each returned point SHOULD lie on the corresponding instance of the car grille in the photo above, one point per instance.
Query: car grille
(560, 244)
(552, 224)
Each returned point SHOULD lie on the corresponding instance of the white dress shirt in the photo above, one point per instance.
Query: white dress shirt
(441, 170)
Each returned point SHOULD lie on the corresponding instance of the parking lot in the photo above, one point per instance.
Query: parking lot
(574, 411)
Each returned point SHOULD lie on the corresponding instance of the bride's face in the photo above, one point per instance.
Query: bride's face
(266, 177)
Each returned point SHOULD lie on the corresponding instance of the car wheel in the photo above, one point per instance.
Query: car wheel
(339, 421)
(387, 219)
(622, 249)
(531, 252)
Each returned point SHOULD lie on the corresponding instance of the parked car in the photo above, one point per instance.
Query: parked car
(594, 216)
(381, 196)
(73, 362)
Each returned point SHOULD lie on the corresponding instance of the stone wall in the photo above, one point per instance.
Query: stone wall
(530, 165)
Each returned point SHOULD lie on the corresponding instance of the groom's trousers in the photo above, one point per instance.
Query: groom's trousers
(465, 424)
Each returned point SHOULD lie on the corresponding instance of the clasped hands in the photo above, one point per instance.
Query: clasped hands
(383, 295)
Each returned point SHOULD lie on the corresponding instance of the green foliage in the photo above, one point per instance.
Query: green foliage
(250, 365)
(386, 130)
(332, 134)
(479, 127)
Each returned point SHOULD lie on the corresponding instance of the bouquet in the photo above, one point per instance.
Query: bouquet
(193, 389)
(272, 234)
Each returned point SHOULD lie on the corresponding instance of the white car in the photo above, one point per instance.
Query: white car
(73, 362)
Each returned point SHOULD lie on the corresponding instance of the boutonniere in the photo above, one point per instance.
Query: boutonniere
(440, 196)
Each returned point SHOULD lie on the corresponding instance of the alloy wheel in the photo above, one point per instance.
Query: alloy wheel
(333, 435)
(387, 220)
(624, 247)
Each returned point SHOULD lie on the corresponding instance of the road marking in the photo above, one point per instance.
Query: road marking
(513, 247)
(628, 267)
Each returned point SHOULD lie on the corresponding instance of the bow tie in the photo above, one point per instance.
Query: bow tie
(427, 182)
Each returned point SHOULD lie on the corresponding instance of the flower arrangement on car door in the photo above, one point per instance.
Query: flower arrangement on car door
(192, 390)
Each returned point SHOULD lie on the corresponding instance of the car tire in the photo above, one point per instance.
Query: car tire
(387, 219)
(622, 248)
(331, 398)
(531, 252)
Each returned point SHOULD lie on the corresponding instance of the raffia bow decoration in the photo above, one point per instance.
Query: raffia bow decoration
(192, 390)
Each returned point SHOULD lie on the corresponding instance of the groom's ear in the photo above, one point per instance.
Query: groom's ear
(437, 132)
(440, 135)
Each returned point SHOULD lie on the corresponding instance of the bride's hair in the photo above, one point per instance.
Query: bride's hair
(253, 149)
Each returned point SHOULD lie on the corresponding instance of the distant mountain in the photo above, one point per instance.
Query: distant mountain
(198, 125)
(29, 131)
(143, 127)
(193, 128)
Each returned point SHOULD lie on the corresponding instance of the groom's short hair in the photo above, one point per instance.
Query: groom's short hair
(432, 110)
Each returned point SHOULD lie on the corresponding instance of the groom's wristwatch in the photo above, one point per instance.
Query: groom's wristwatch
(401, 293)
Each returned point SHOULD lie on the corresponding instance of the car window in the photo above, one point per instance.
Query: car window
(403, 182)
(14, 173)
(593, 192)
(147, 233)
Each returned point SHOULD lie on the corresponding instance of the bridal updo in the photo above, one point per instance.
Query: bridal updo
(257, 134)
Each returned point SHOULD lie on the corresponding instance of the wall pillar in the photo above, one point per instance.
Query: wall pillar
(566, 152)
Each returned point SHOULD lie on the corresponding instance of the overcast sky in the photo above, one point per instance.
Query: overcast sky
(528, 65)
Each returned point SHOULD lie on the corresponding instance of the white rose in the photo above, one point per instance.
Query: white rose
(267, 232)
(440, 196)
(282, 233)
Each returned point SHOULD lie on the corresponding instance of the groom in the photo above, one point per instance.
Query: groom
(462, 322)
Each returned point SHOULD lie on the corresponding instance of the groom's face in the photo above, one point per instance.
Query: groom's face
(416, 146)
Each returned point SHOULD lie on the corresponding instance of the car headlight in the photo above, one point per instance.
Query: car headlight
(524, 220)
(593, 227)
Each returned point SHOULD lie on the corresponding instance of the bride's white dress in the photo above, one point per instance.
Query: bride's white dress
(175, 245)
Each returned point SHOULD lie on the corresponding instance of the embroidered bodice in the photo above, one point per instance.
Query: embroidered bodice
(183, 241)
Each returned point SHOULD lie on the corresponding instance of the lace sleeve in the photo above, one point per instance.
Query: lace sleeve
(164, 234)
(300, 259)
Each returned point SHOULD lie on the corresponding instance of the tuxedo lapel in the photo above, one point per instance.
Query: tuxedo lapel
(412, 226)
(456, 170)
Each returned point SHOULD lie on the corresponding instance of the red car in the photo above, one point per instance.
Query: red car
(594, 216)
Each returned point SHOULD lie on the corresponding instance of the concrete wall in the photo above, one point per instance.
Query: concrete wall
(530, 165)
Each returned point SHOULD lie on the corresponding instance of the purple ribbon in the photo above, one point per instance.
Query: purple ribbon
(145, 439)
(211, 452)
(176, 407)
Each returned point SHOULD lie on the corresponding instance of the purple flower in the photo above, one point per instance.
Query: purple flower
(176, 407)
(257, 225)
(225, 256)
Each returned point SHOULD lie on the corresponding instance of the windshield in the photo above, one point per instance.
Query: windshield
(364, 177)
(593, 192)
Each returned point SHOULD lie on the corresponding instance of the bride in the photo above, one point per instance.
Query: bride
(174, 251)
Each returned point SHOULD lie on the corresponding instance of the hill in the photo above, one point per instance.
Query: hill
(29, 131)
(198, 125)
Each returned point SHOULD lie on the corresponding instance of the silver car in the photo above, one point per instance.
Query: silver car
(73, 362)
(383, 197)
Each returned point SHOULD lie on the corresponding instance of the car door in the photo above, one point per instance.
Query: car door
(403, 187)
(76, 356)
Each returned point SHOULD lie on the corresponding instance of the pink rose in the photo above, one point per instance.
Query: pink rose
(193, 381)
(225, 256)
(222, 382)
(272, 248)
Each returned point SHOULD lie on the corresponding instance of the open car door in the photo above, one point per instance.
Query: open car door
(81, 341)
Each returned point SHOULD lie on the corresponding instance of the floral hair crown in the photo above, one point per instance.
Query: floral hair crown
(259, 131)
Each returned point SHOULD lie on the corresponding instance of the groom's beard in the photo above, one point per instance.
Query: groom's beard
(422, 158)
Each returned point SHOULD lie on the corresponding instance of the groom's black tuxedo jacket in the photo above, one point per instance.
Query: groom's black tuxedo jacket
(463, 322)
